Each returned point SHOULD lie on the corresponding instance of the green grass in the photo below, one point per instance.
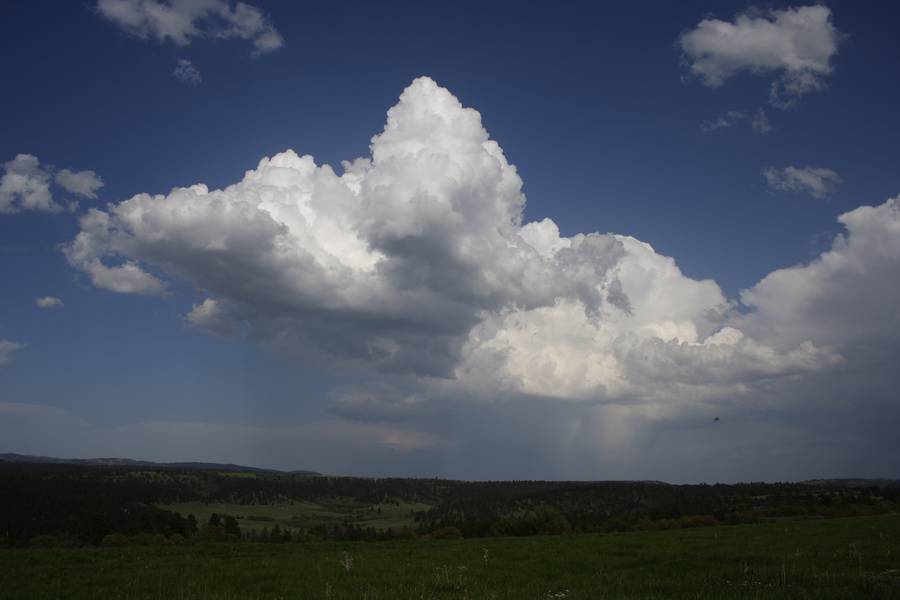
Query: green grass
(305, 514)
(855, 558)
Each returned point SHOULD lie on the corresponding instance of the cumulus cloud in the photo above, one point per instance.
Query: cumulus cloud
(796, 45)
(6, 349)
(416, 260)
(818, 182)
(83, 183)
(181, 21)
(848, 295)
(48, 302)
(25, 185)
(186, 72)
(473, 331)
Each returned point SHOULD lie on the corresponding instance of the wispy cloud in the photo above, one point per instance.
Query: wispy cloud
(82, 183)
(818, 182)
(760, 122)
(48, 302)
(186, 72)
(182, 21)
(726, 121)
(6, 349)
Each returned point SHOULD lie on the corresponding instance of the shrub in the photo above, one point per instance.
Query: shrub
(44, 541)
(148, 539)
(402, 533)
(114, 539)
(447, 533)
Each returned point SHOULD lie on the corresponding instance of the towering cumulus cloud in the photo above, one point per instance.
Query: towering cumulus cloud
(415, 260)
(414, 268)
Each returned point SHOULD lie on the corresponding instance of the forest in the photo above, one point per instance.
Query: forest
(75, 505)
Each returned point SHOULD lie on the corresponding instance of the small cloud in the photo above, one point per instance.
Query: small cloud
(760, 123)
(181, 22)
(815, 181)
(186, 71)
(6, 349)
(729, 119)
(209, 316)
(49, 302)
(796, 44)
(26, 186)
(83, 183)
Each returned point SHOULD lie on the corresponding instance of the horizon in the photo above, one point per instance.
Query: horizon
(656, 243)
(202, 465)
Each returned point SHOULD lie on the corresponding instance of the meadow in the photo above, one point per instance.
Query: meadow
(814, 558)
(299, 514)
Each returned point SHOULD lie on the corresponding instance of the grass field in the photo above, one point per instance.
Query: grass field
(298, 515)
(856, 558)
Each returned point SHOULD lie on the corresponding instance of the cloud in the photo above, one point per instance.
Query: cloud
(796, 44)
(83, 183)
(180, 21)
(847, 296)
(556, 355)
(48, 302)
(760, 123)
(25, 185)
(6, 349)
(416, 261)
(186, 72)
(726, 121)
(815, 181)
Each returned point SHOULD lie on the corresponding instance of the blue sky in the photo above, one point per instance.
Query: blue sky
(612, 127)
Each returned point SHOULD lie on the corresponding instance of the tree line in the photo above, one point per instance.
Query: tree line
(44, 504)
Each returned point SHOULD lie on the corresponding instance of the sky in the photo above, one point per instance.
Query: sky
(472, 240)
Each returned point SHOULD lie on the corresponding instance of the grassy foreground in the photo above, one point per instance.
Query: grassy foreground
(840, 558)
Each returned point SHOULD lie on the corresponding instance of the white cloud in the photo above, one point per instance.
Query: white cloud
(815, 181)
(674, 334)
(180, 21)
(726, 121)
(26, 186)
(48, 302)
(6, 349)
(796, 44)
(186, 71)
(83, 183)
(416, 261)
(486, 335)
(848, 295)
(760, 123)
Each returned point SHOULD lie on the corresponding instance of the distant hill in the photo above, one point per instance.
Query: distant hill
(128, 462)
(855, 482)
